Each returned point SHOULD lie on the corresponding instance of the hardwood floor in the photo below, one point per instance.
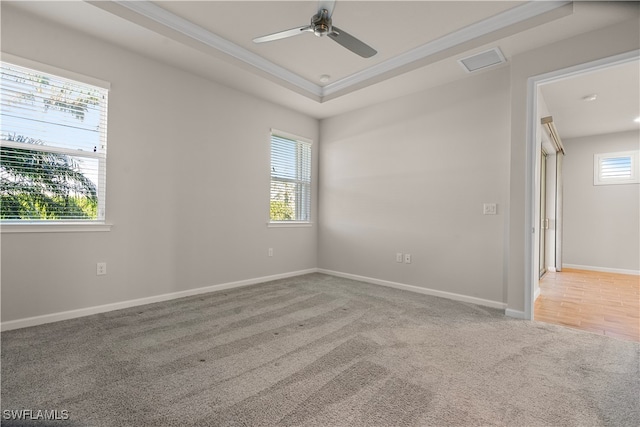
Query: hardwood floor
(605, 303)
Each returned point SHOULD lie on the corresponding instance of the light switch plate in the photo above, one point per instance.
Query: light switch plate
(490, 209)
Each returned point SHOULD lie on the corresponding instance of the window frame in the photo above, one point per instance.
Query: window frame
(598, 158)
(62, 225)
(294, 222)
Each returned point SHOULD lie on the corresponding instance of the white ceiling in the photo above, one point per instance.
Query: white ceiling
(418, 42)
(397, 28)
(617, 102)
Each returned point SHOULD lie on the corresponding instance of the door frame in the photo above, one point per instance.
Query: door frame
(532, 153)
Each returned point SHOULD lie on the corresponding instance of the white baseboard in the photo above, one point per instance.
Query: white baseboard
(418, 289)
(72, 314)
(603, 269)
(536, 293)
(516, 314)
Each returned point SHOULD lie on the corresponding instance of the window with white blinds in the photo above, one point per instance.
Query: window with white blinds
(53, 141)
(290, 178)
(616, 168)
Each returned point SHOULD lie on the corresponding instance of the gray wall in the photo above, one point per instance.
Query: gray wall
(188, 197)
(601, 222)
(187, 185)
(411, 175)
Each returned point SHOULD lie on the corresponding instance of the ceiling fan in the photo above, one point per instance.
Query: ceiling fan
(321, 25)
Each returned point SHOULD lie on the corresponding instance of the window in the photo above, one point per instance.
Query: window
(616, 168)
(290, 178)
(52, 147)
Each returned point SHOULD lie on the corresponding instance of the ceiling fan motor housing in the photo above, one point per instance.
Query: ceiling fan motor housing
(321, 23)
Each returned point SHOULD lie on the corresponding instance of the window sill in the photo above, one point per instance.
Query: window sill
(284, 224)
(39, 227)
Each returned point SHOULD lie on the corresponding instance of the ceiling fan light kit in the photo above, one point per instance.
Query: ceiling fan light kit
(321, 25)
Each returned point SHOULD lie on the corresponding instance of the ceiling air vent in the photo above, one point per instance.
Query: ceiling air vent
(482, 60)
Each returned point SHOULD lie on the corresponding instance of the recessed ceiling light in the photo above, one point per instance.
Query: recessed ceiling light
(590, 98)
(325, 78)
(637, 120)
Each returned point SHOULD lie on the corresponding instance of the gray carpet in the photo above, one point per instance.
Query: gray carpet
(318, 350)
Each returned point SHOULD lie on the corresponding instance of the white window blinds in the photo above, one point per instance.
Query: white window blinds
(290, 178)
(53, 140)
(616, 168)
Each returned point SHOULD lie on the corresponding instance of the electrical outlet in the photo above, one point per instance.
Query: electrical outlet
(270, 251)
(101, 268)
(399, 257)
(407, 258)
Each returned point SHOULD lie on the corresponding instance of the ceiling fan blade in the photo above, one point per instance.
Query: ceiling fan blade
(283, 34)
(353, 44)
(328, 5)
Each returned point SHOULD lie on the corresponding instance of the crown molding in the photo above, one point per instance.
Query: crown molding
(500, 21)
(516, 15)
(149, 10)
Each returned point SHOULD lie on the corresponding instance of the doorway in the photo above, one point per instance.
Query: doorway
(537, 219)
